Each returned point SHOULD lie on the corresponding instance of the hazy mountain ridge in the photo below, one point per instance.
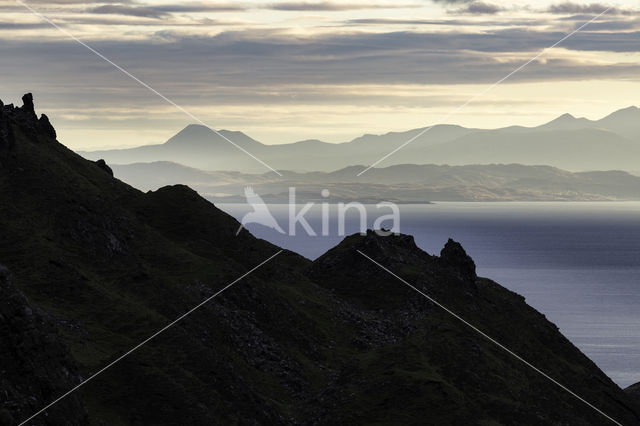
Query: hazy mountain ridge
(406, 183)
(297, 342)
(576, 144)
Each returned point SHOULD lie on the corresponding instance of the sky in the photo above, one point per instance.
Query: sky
(283, 71)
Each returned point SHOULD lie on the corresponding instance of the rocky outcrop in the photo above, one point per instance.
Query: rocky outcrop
(47, 127)
(453, 256)
(399, 249)
(103, 165)
(37, 129)
(35, 367)
(28, 109)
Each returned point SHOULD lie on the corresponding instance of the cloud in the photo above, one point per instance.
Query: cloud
(149, 11)
(108, 20)
(452, 1)
(449, 22)
(569, 7)
(591, 8)
(199, 7)
(480, 8)
(621, 25)
(391, 21)
(241, 60)
(334, 6)
(5, 25)
(116, 9)
(75, 2)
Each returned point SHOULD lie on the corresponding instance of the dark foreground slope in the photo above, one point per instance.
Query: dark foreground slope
(634, 392)
(35, 365)
(296, 342)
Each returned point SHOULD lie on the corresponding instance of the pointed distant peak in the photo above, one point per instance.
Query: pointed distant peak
(195, 126)
(191, 128)
(566, 122)
(196, 136)
(565, 117)
(195, 129)
(190, 134)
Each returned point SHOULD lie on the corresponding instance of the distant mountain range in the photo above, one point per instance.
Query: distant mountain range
(404, 183)
(570, 143)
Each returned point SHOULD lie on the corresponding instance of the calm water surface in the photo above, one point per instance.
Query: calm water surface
(578, 263)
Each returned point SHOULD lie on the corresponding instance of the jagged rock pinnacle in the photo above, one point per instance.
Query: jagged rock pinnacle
(36, 129)
(27, 104)
(46, 126)
(454, 255)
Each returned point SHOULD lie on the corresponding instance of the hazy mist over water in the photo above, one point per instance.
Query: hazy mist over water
(577, 263)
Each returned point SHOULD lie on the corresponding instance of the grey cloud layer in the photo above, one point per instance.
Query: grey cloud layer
(250, 58)
(231, 65)
(333, 6)
(162, 10)
(479, 8)
(452, 1)
(116, 9)
(8, 25)
(451, 22)
(588, 8)
(148, 9)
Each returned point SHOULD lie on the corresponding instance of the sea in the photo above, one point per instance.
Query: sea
(578, 263)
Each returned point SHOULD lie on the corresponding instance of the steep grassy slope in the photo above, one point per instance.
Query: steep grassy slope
(330, 342)
(113, 265)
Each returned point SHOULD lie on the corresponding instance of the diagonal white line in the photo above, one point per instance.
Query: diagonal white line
(139, 345)
(485, 91)
(495, 342)
(142, 83)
